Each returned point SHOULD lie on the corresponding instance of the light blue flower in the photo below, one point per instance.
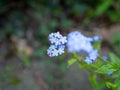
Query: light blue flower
(57, 44)
(96, 38)
(57, 38)
(75, 42)
(104, 58)
(93, 55)
(52, 47)
(88, 60)
(63, 40)
(78, 42)
(61, 49)
(90, 39)
(57, 35)
(52, 51)
(110, 73)
(86, 47)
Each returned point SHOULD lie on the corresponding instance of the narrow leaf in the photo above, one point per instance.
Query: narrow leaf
(106, 68)
(71, 61)
(114, 59)
(103, 7)
(111, 85)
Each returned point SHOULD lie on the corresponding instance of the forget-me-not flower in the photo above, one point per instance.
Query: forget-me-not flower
(96, 38)
(52, 51)
(92, 56)
(88, 60)
(57, 38)
(78, 42)
(109, 73)
(75, 42)
(61, 49)
(104, 58)
(57, 44)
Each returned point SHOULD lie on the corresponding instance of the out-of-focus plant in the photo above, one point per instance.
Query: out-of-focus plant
(13, 26)
(7, 77)
(104, 71)
(115, 41)
(60, 12)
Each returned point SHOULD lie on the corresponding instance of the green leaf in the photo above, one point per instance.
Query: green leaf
(44, 29)
(38, 15)
(63, 67)
(14, 80)
(111, 85)
(71, 61)
(4, 75)
(50, 78)
(102, 8)
(117, 81)
(78, 9)
(66, 23)
(106, 68)
(114, 59)
(53, 24)
(93, 81)
(114, 16)
(26, 61)
(115, 38)
(88, 18)
(97, 45)
(96, 85)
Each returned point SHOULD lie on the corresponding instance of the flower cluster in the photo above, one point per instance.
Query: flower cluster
(78, 42)
(92, 56)
(75, 42)
(57, 44)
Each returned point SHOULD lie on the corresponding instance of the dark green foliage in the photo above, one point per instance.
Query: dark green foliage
(7, 77)
(102, 7)
(25, 60)
(58, 11)
(115, 41)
